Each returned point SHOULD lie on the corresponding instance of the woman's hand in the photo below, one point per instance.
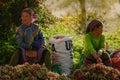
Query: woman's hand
(97, 57)
(43, 46)
(100, 52)
(99, 60)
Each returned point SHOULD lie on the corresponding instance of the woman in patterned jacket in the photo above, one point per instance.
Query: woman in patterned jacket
(31, 42)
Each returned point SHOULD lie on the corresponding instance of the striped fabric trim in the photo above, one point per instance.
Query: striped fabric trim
(33, 35)
(20, 31)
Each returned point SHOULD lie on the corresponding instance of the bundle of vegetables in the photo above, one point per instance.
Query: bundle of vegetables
(23, 72)
(28, 72)
(96, 72)
(56, 76)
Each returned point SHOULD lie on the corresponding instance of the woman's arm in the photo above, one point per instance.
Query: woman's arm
(97, 57)
(90, 49)
(102, 45)
(88, 46)
(41, 38)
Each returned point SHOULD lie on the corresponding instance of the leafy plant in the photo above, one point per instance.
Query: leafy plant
(96, 72)
(10, 14)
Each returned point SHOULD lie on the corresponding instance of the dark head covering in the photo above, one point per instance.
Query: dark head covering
(92, 25)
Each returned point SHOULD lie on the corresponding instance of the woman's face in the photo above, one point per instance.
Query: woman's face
(98, 31)
(26, 18)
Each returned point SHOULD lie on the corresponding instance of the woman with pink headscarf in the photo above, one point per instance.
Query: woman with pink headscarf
(31, 42)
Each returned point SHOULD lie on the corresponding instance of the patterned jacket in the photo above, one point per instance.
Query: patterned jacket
(27, 35)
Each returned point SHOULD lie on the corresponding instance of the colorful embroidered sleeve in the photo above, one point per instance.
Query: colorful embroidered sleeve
(88, 47)
(20, 41)
(41, 37)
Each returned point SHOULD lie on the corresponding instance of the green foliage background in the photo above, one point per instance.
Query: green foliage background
(10, 18)
(10, 14)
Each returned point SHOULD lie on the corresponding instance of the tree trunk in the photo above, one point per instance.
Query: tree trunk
(83, 13)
